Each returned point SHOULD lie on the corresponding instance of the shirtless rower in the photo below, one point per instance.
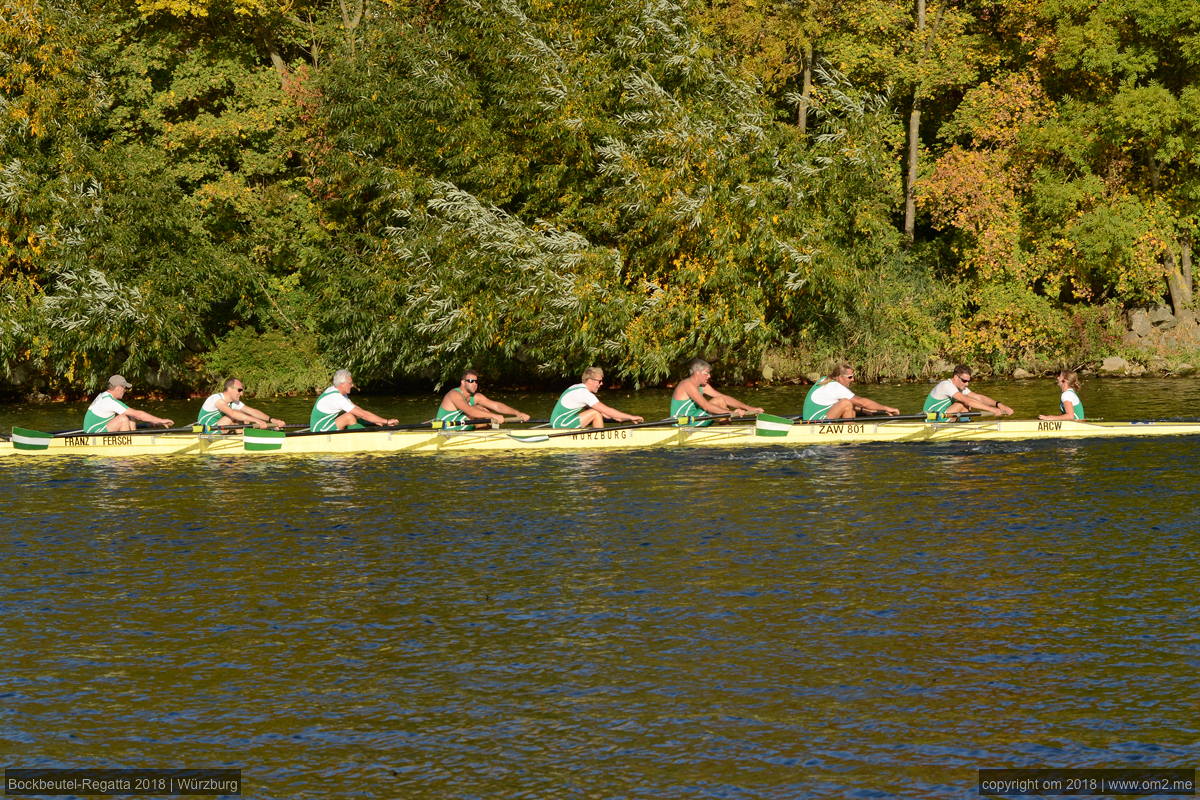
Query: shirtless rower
(466, 405)
(695, 396)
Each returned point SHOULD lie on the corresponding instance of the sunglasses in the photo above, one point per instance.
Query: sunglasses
(471, 380)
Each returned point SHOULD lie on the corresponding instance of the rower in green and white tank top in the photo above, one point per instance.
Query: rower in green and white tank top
(209, 413)
(102, 409)
(687, 408)
(811, 410)
(1069, 396)
(450, 416)
(940, 398)
(329, 406)
(570, 404)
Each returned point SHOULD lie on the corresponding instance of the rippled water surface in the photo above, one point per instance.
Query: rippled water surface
(832, 622)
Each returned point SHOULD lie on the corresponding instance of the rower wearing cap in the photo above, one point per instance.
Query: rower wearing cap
(334, 411)
(695, 396)
(832, 398)
(465, 405)
(954, 395)
(226, 408)
(107, 414)
(578, 406)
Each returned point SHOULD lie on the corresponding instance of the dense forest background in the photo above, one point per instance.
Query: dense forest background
(192, 188)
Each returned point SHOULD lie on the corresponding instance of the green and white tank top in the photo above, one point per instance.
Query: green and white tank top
(102, 409)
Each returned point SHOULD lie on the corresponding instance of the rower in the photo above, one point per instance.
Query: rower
(226, 408)
(953, 396)
(465, 406)
(334, 410)
(832, 398)
(694, 394)
(578, 406)
(108, 414)
(1069, 404)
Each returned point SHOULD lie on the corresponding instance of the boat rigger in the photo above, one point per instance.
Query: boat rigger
(774, 431)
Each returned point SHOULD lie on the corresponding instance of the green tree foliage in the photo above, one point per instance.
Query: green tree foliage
(1069, 176)
(407, 188)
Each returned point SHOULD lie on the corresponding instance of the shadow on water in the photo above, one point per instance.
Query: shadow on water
(866, 621)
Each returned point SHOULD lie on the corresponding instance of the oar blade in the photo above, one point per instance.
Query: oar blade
(25, 439)
(771, 425)
(261, 440)
(530, 439)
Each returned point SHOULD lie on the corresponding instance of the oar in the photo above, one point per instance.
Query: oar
(672, 421)
(876, 418)
(373, 429)
(481, 422)
(138, 432)
(871, 417)
(198, 428)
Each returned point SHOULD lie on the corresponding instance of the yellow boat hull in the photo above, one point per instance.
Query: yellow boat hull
(423, 441)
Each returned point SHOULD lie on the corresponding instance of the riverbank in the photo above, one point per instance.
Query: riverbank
(1150, 342)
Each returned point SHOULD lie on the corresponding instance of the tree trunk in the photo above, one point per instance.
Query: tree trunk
(805, 91)
(279, 64)
(910, 196)
(914, 132)
(1185, 258)
(1179, 279)
(351, 19)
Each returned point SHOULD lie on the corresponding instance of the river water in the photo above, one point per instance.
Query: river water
(823, 622)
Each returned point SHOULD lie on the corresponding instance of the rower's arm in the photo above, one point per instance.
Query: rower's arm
(867, 404)
(733, 402)
(1068, 412)
(262, 416)
(701, 398)
(243, 414)
(459, 403)
(361, 413)
(146, 417)
(983, 403)
(501, 408)
(612, 413)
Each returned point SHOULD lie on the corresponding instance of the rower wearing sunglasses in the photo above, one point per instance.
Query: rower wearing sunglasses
(954, 395)
(832, 398)
(464, 406)
(225, 408)
(578, 406)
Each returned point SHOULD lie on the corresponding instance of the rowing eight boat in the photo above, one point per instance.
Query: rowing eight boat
(428, 441)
